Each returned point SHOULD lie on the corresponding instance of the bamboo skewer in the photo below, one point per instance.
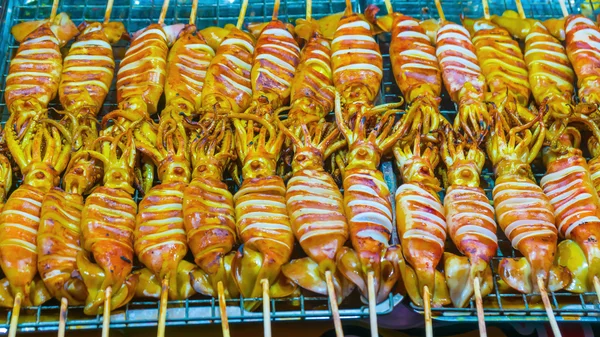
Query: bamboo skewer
(266, 308)
(106, 313)
(563, 8)
(548, 307)
(62, 320)
(335, 313)
(372, 304)
(597, 287)
(223, 309)
(427, 312)
(108, 11)
(162, 311)
(486, 9)
(242, 15)
(479, 306)
(14, 318)
(193, 12)
(163, 12)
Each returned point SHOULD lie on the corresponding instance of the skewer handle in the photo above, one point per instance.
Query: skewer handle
(427, 312)
(388, 6)
(548, 307)
(193, 12)
(486, 9)
(266, 308)
(372, 304)
(520, 9)
(308, 10)
(62, 321)
(242, 15)
(54, 10)
(479, 305)
(275, 10)
(438, 5)
(597, 287)
(108, 11)
(163, 12)
(223, 309)
(335, 313)
(162, 310)
(106, 314)
(14, 318)
(563, 8)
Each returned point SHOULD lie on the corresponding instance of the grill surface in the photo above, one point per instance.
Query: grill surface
(137, 14)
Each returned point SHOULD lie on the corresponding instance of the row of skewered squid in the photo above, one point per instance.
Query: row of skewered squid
(240, 88)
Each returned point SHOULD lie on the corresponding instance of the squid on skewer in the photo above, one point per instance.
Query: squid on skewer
(59, 235)
(276, 58)
(516, 195)
(208, 211)
(569, 185)
(159, 236)
(262, 220)
(316, 208)
(34, 73)
(503, 65)
(356, 62)
(41, 154)
(368, 204)
(463, 79)
(470, 221)
(583, 51)
(6, 176)
(421, 222)
(107, 226)
(312, 91)
(416, 69)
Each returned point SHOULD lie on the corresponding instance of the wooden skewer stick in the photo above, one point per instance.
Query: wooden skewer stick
(54, 10)
(372, 304)
(308, 10)
(348, 10)
(242, 15)
(108, 11)
(162, 310)
(438, 5)
(223, 309)
(427, 313)
(597, 287)
(62, 320)
(548, 307)
(520, 9)
(275, 10)
(388, 6)
(479, 306)
(107, 310)
(163, 12)
(266, 308)
(563, 8)
(14, 318)
(486, 9)
(335, 313)
(193, 12)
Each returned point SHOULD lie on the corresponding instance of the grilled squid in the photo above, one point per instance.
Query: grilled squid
(356, 61)
(208, 212)
(470, 221)
(59, 235)
(312, 91)
(42, 154)
(159, 236)
(420, 221)
(276, 58)
(107, 226)
(516, 196)
(262, 220)
(89, 68)
(227, 84)
(570, 188)
(505, 71)
(316, 209)
(34, 72)
(582, 48)
(368, 204)
(187, 66)
(463, 79)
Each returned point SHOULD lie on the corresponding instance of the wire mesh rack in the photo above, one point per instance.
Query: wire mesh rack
(137, 14)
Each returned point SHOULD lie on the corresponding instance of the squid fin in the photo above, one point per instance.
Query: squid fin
(390, 272)
(6, 298)
(328, 24)
(93, 276)
(180, 286)
(571, 256)
(460, 275)
(148, 284)
(63, 28)
(306, 29)
(309, 275)
(206, 284)
(125, 293)
(115, 31)
(349, 265)
(516, 273)
(38, 293)
(215, 35)
(558, 278)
